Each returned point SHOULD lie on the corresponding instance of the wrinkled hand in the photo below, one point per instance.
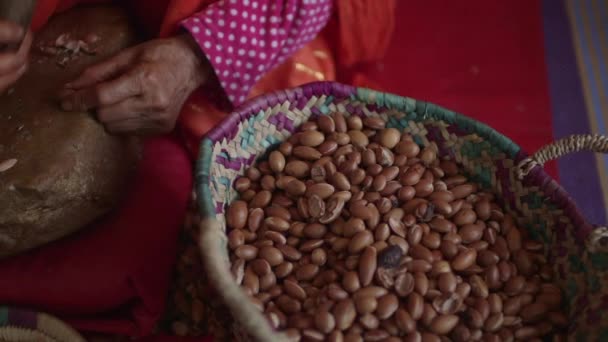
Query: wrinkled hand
(142, 89)
(13, 64)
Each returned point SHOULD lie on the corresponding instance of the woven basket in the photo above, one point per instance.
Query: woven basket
(27, 326)
(491, 160)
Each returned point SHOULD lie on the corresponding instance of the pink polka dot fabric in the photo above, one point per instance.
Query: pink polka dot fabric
(243, 39)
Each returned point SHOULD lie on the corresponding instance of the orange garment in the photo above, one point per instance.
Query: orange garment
(357, 34)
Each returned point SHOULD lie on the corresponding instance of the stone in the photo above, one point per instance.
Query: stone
(70, 172)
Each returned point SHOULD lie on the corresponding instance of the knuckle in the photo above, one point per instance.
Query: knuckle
(149, 77)
(160, 101)
(99, 94)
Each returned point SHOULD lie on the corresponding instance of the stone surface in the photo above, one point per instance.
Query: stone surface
(69, 171)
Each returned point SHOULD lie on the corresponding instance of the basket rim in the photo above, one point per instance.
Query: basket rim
(537, 177)
(23, 322)
(214, 257)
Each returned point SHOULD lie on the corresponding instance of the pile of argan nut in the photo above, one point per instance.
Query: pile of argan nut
(349, 231)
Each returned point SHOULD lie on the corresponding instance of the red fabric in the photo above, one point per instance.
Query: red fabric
(165, 338)
(113, 276)
(361, 30)
(485, 59)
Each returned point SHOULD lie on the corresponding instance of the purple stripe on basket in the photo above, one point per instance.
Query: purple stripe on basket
(373, 107)
(568, 105)
(272, 99)
(301, 95)
(435, 135)
(538, 177)
(276, 119)
(358, 111)
(301, 102)
(283, 118)
(453, 129)
(229, 164)
(281, 96)
(289, 126)
(282, 121)
(250, 160)
(22, 318)
(309, 91)
(224, 128)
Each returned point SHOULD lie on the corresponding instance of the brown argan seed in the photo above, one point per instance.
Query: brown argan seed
(390, 257)
(367, 266)
(350, 231)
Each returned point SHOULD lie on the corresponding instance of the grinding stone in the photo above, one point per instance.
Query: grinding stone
(68, 170)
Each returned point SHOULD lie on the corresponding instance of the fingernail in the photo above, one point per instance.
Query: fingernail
(68, 85)
(66, 105)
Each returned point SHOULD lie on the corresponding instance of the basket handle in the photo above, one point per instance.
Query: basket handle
(559, 148)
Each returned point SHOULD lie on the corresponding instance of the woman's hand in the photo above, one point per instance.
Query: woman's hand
(13, 63)
(142, 89)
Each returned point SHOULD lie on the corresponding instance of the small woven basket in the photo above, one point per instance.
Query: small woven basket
(18, 325)
(573, 246)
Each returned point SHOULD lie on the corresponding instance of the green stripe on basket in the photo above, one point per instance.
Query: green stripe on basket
(431, 111)
(3, 316)
(386, 100)
(205, 204)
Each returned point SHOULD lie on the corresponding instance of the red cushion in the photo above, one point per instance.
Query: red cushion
(112, 277)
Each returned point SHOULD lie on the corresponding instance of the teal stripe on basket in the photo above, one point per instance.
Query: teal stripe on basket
(386, 100)
(431, 111)
(225, 181)
(3, 316)
(203, 168)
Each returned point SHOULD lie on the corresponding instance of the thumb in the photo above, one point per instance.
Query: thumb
(103, 71)
(10, 32)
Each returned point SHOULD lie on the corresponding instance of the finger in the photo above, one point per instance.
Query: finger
(104, 94)
(7, 80)
(142, 125)
(26, 44)
(123, 110)
(10, 32)
(14, 60)
(103, 71)
(123, 126)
